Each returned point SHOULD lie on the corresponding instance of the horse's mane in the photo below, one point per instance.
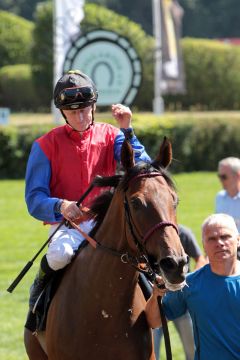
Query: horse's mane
(100, 205)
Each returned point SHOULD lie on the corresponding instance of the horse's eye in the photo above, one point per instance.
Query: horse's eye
(136, 203)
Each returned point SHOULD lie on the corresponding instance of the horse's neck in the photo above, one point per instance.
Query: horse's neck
(112, 232)
(107, 265)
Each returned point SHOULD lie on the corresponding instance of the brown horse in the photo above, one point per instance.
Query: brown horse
(98, 310)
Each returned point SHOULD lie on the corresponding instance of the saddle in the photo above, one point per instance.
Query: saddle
(36, 321)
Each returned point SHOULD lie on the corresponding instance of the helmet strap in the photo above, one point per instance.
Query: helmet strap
(92, 114)
(64, 116)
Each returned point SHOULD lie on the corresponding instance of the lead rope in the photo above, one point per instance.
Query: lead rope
(165, 330)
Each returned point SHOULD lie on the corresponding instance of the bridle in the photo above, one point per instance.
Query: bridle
(141, 261)
(148, 234)
(141, 247)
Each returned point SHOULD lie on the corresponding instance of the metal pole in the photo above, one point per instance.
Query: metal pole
(57, 57)
(158, 103)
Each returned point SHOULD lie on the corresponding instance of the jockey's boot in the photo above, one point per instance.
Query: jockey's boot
(43, 276)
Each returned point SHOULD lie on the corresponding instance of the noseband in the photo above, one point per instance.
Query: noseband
(162, 224)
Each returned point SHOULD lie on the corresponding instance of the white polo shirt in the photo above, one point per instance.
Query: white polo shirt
(228, 205)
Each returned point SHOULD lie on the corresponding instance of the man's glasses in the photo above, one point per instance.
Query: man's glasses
(222, 176)
(77, 93)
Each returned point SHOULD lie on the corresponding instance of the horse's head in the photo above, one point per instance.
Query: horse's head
(150, 207)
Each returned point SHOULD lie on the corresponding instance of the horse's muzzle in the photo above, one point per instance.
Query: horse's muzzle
(174, 270)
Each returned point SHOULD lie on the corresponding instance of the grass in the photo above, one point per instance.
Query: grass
(22, 236)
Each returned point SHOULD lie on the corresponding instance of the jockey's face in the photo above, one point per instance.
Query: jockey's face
(79, 119)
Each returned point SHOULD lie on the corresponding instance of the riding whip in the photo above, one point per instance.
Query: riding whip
(30, 263)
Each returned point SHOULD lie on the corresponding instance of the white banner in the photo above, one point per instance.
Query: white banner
(173, 77)
(67, 17)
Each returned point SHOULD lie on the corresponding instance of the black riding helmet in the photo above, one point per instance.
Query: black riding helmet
(74, 90)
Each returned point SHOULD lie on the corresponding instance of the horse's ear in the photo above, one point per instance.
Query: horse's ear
(127, 155)
(164, 157)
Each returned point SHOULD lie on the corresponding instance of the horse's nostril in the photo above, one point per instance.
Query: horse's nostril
(168, 264)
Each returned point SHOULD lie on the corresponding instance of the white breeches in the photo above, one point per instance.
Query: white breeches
(64, 244)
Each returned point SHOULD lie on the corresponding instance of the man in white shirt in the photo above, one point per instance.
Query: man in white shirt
(228, 200)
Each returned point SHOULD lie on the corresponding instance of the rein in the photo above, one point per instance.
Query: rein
(64, 221)
(150, 271)
(159, 225)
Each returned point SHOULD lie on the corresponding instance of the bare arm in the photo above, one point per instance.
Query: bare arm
(152, 308)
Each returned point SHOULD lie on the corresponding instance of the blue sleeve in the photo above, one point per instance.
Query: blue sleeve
(139, 150)
(37, 192)
(174, 304)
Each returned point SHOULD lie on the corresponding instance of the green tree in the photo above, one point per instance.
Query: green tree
(42, 52)
(15, 39)
(203, 18)
(139, 11)
(95, 17)
(211, 18)
(24, 8)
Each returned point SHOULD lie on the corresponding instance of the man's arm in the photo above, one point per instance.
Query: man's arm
(123, 116)
(152, 308)
(37, 192)
(174, 305)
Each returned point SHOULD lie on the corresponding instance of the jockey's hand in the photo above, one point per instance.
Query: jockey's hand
(70, 210)
(123, 115)
(158, 287)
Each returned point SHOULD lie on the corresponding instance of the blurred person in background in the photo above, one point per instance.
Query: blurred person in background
(227, 200)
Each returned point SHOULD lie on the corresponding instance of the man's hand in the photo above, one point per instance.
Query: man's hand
(70, 210)
(159, 288)
(123, 115)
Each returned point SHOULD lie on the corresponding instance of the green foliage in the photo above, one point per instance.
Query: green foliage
(212, 76)
(97, 17)
(212, 83)
(15, 39)
(198, 142)
(15, 144)
(220, 18)
(211, 18)
(128, 8)
(24, 8)
(202, 18)
(17, 89)
(42, 53)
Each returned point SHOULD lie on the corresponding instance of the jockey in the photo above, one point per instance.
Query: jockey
(63, 163)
